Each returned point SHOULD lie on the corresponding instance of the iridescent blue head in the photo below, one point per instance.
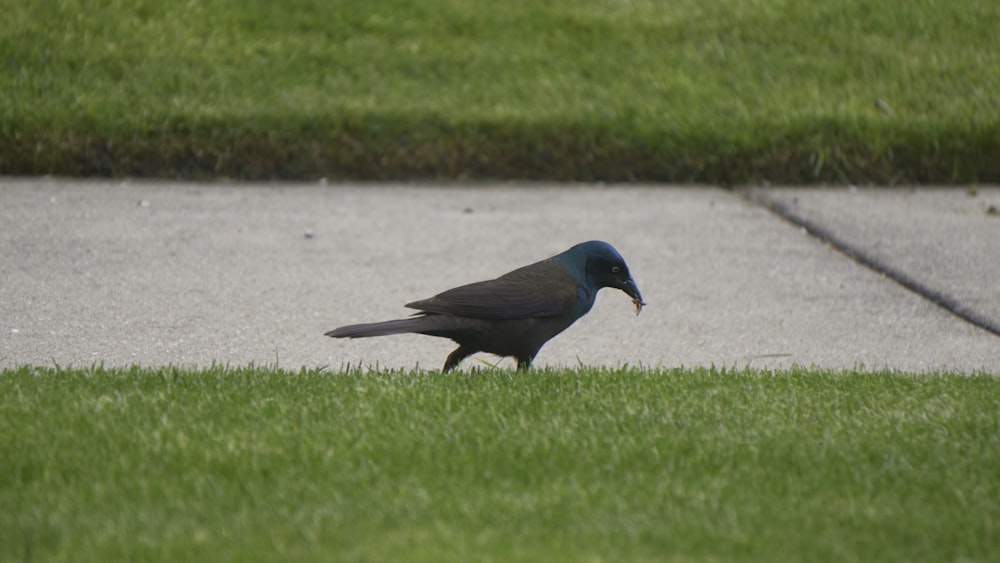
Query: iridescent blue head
(596, 264)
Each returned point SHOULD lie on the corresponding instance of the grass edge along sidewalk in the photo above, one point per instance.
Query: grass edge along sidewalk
(826, 151)
(252, 463)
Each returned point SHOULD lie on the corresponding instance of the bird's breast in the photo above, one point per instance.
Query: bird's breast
(585, 300)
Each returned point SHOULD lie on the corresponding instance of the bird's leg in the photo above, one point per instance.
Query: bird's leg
(455, 357)
(524, 364)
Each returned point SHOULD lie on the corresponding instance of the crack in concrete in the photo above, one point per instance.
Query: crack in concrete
(827, 236)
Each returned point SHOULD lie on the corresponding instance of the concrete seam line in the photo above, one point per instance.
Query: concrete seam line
(939, 298)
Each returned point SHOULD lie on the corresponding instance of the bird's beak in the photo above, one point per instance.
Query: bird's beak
(632, 291)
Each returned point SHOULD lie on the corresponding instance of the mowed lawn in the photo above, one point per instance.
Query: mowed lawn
(254, 464)
(721, 91)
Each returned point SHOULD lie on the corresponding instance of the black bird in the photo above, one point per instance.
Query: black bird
(515, 314)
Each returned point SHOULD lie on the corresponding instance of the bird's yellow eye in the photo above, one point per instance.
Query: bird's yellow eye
(615, 269)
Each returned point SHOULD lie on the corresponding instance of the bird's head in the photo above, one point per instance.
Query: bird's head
(597, 264)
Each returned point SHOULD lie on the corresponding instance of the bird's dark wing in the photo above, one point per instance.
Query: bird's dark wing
(543, 289)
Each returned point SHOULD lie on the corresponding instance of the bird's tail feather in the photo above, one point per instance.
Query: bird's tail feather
(384, 328)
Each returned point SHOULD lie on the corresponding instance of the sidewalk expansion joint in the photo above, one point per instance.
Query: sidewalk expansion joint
(789, 214)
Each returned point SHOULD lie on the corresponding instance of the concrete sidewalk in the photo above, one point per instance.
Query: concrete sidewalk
(156, 273)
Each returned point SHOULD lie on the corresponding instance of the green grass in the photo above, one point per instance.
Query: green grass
(689, 90)
(253, 464)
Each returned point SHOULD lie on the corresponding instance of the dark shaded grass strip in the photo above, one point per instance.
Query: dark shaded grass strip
(389, 148)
